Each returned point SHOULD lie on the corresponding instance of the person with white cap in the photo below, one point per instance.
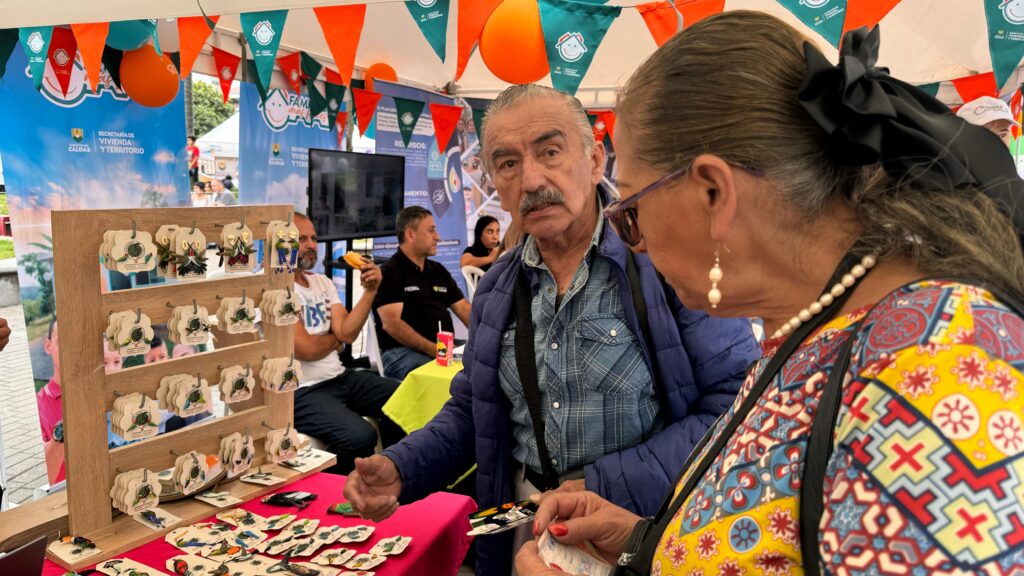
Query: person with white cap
(992, 113)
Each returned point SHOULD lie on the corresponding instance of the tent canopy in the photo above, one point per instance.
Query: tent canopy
(922, 40)
(222, 140)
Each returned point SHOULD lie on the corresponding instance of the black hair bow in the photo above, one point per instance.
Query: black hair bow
(872, 117)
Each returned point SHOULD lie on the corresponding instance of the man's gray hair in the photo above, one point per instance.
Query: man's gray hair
(514, 94)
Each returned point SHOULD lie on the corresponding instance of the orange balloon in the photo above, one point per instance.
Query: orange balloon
(512, 43)
(380, 71)
(148, 78)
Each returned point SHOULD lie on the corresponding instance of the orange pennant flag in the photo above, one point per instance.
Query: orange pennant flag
(342, 27)
(91, 38)
(866, 13)
(340, 124)
(366, 106)
(666, 19)
(608, 117)
(473, 14)
(192, 34)
(445, 118)
(662, 19)
(290, 67)
(694, 11)
(972, 87)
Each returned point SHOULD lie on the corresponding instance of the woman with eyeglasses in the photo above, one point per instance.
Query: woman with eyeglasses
(876, 235)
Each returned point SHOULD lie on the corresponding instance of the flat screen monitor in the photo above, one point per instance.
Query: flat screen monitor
(353, 195)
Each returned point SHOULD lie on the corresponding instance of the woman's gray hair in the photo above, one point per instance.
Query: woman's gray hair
(514, 94)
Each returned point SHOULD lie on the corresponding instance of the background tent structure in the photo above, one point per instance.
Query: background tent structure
(923, 41)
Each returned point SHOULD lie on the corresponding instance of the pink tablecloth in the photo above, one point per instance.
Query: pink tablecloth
(437, 525)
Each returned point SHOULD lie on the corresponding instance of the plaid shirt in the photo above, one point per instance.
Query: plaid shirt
(597, 394)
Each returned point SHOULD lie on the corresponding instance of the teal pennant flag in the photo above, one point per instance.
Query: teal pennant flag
(36, 42)
(432, 18)
(1005, 36)
(263, 34)
(572, 33)
(826, 17)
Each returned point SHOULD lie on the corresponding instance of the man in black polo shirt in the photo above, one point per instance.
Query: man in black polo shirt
(414, 297)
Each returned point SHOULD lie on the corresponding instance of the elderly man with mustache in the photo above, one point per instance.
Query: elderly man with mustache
(583, 370)
(331, 400)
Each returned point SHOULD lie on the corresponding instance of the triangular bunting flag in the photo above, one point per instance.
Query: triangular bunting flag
(342, 27)
(971, 87)
(63, 48)
(8, 40)
(333, 77)
(227, 67)
(334, 92)
(290, 68)
(662, 19)
(598, 125)
(112, 62)
(572, 33)
(433, 22)
(866, 13)
(192, 34)
(1005, 37)
(365, 103)
(694, 11)
(608, 116)
(36, 42)
(1015, 108)
(317, 102)
(473, 14)
(340, 125)
(825, 18)
(251, 75)
(931, 89)
(263, 34)
(90, 39)
(408, 113)
(478, 124)
(310, 67)
(446, 119)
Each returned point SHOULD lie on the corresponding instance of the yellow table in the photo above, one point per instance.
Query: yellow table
(421, 395)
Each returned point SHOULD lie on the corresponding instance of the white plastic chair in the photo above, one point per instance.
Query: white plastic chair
(472, 274)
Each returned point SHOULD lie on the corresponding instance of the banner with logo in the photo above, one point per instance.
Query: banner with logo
(82, 150)
(572, 33)
(433, 177)
(823, 16)
(1005, 36)
(263, 35)
(432, 18)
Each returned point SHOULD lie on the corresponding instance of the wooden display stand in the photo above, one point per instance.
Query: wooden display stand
(88, 393)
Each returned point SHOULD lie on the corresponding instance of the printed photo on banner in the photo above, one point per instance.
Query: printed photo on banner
(111, 153)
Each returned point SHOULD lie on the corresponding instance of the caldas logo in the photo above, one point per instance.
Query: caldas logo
(332, 104)
(276, 149)
(61, 57)
(1013, 11)
(599, 125)
(814, 3)
(294, 75)
(263, 32)
(571, 46)
(225, 72)
(35, 42)
(77, 134)
(426, 3)
(407, 118)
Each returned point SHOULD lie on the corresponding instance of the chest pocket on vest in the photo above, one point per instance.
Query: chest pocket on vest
(608, 356)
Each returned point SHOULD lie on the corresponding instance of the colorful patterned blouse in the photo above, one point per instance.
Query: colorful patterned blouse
(926, 476)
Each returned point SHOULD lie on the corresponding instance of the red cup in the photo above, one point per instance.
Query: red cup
(445, 348)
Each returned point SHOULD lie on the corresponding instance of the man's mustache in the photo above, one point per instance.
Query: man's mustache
(542, 197)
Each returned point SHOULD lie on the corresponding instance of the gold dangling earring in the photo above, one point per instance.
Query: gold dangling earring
(715, 275)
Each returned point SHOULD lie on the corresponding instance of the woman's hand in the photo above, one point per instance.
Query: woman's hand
(573, 517)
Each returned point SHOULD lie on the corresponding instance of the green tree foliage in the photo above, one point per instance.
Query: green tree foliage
(208, 107)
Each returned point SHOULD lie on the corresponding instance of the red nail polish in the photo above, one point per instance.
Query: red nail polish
(558, 530)
(535, 526)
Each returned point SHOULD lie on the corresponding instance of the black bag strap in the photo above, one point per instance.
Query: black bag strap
(526, 364)
(639, 561)
(822, 436)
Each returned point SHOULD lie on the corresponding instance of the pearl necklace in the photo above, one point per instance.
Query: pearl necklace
(848, 280)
